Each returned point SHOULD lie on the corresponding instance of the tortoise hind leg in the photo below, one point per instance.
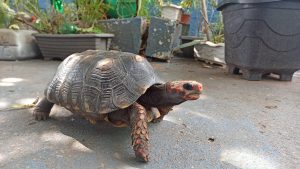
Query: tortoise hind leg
(139, 132)
(42, 109)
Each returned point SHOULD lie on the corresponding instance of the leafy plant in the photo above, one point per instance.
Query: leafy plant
(89, 11)
(190, 4)
(147, 5)
(217, 28)
(78, 17)
(48, 21)
(186, 4)
(6, 15)
(218, 32)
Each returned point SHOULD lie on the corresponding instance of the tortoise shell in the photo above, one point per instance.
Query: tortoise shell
(100, 82)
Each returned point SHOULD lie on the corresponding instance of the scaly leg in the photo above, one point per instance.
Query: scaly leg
(139, 132)
(163, 111)
(42, 110)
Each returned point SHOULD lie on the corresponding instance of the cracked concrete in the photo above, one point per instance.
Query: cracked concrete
(235, 124)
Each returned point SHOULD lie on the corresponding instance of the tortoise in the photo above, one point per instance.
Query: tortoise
(119, 87)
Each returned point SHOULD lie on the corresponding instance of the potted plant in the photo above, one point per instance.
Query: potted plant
(186, 5)
(65, 29)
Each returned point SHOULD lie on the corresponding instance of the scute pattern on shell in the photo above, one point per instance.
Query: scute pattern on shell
(97, 81)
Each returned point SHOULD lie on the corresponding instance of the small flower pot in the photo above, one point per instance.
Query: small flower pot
(185, 18)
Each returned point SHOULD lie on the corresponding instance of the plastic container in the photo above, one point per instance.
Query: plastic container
(62, 45)
(122, 8)
(223, 3)
(262, 37)
(172, 12)
(18, 45)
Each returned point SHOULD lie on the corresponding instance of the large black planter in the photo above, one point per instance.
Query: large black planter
(262, 37)
(62, 45)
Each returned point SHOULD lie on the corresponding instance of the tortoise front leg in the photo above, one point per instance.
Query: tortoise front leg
(163, 111)
(139, 132)
(42, 109)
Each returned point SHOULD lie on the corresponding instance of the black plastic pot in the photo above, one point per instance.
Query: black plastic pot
(223, 3)
(62, 45)
(262, 37)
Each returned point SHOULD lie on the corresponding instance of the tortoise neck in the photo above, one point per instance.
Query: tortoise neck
(158, 95)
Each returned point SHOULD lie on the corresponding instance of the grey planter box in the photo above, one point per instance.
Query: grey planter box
(62, 45)
(162, 38)
(18, 45)
(128, 33)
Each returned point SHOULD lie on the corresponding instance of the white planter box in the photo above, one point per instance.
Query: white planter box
(18, 45)
(210, 52)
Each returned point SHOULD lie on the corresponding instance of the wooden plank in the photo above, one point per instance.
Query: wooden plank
(206, 26)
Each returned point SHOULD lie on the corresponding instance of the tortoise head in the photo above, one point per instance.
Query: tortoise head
(184, 90)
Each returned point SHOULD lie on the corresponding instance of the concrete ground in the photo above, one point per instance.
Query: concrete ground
(235, 124)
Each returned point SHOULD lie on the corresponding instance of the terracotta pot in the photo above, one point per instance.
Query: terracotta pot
(185, 18)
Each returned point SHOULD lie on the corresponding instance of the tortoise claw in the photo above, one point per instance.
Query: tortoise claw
(157, 120)
(40, 115)
(141, 155)
(42, 109)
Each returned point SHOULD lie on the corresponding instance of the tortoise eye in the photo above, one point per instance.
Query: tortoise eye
(188, 86)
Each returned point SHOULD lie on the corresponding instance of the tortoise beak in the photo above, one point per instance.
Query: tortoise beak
(198, 87)
(192, 96)
(193, 90)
